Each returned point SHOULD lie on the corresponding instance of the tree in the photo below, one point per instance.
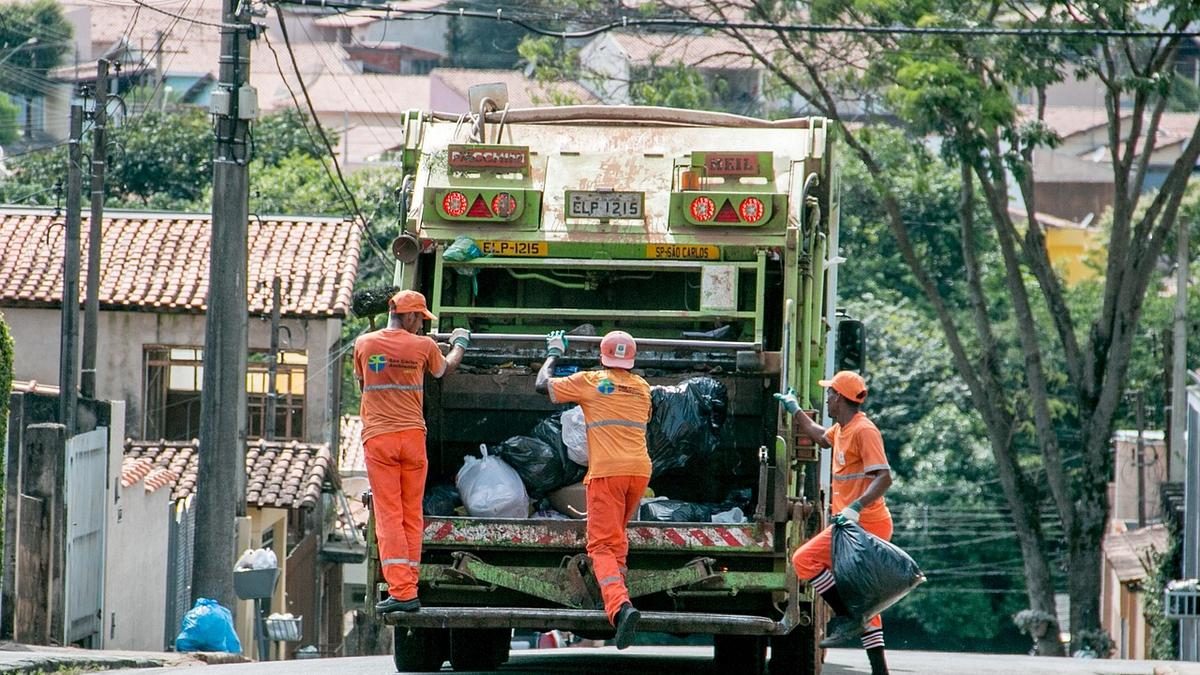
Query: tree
(6, 378)
(962, 88)
(9, 125)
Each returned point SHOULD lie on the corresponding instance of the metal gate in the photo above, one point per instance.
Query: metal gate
(87, 471)
(180, 556)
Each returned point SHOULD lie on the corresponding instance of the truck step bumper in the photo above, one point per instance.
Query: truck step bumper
(584, 620)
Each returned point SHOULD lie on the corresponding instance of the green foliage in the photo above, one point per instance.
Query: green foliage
(298, 183)
(288, 132)
(675, 86)
(1164, 568)
(9, 125)
(481, 43)
(26, 63)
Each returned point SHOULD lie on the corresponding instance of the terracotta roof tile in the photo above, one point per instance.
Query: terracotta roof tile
(279, 474)
(351, 461)
(160, 261)
(1129, 552)
(523, 92)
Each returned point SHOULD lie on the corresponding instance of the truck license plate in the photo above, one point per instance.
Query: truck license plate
(588, 204)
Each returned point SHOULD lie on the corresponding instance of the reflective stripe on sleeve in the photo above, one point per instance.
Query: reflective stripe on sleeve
(397, 561)
(616, 423)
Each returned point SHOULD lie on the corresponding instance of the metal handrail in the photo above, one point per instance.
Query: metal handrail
(595, 340)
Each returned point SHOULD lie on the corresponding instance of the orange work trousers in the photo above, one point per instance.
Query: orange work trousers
(816, 555)
(611, 503)
(396, 467)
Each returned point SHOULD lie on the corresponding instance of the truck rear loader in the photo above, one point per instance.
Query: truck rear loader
(712, 239)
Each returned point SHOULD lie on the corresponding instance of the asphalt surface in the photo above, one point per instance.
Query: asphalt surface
(697, 661)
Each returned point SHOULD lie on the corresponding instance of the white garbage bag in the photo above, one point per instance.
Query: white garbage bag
(574, 435)
(490, 488)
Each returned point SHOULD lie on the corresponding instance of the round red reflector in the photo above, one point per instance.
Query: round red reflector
(752, 209)
(703, 208)
(504, 205)
(455, 204)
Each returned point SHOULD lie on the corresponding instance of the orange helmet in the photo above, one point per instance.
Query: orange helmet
(617, 350)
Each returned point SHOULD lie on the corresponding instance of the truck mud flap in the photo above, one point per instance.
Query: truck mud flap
(586, 620)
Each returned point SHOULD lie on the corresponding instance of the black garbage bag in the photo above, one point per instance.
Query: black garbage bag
(675, 511)
(440, 500)
(543, 467)
(872, 574)
(686, 422)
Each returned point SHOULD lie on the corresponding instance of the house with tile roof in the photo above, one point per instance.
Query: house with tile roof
(153, 285)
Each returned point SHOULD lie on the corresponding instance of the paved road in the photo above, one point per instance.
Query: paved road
(697, 661)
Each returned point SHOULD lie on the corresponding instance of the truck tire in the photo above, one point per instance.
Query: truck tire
(419, 649)
(744, 654)
(479, 648)
(796, 653)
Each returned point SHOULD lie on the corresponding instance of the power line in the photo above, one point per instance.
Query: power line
(962, 31)
(180, 17)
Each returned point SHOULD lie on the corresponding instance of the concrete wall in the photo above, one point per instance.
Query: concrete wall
(427, 34)
(120, 358)
(1125, 479)
(604, 58)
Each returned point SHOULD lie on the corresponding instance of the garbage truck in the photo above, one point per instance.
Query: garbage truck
(709, 237)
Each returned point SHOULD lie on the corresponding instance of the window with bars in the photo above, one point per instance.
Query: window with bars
(173, 376)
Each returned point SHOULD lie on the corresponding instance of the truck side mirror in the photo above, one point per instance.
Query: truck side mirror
(851, 352)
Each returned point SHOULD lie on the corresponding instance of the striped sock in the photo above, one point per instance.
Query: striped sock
(872, 638)
(823, 581)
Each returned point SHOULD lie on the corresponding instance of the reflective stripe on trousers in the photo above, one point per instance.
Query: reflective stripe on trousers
(394, 387)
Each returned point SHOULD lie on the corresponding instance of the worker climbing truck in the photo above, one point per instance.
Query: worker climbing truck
(709, 237)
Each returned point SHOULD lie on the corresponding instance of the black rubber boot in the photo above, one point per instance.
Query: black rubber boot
(878, 662)
(835, 602)
(840, 630)
(391, 604)
(626, 624)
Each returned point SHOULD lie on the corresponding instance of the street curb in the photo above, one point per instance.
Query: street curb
(20, 658)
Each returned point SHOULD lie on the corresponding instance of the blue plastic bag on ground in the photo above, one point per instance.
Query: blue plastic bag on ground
(872, 574)
(207, 627)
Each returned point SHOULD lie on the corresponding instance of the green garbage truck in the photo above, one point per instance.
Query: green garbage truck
(712, 239)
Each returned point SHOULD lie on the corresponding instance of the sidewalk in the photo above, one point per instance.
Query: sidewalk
(20, 658)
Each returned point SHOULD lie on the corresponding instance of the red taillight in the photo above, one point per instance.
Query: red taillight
(479, 209)
(504, 205)
(727, 214)
(703, 208)
(752, 209)
(454, 204)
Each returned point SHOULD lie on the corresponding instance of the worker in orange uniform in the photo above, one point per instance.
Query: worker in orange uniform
(616, 410)
(390, 365)
(861, 476)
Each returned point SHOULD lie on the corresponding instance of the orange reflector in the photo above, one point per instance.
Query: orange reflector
(703, 208)
(727, 214)
(752, 209)
(479, 209)
(454, 204)
(504, 205)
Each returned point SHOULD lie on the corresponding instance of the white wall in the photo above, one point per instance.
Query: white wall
(135, 578)
(426, 34)
(120, 358)
(605, 58)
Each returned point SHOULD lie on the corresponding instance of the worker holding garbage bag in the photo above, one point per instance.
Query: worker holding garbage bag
(616, 409)
(861, 476)
(390, 366)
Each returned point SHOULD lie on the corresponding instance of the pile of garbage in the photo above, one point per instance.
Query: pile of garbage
(544, 468)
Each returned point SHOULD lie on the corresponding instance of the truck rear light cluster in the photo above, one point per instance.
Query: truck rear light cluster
(749, 210)
(752, 209)
(504, 205)
(703, 208)
(454, 204)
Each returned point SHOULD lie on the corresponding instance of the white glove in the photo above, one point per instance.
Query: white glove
(851, 512)
(460, 337)
(556, 343)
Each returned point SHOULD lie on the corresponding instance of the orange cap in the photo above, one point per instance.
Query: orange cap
(848, 384)
(617, 350)
(409, 301)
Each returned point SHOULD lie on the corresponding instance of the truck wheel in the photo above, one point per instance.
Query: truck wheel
(796, 653)
(740, 654)
(419, 649)
(479, 648)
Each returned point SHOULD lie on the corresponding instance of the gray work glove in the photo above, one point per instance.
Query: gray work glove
(789, 401)
(556, 343)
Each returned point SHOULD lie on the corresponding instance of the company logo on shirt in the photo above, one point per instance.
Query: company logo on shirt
(606, 386)
(376, 362)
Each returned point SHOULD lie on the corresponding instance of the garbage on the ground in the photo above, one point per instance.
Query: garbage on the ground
(440, 500)
(490, 488)
(574, 435)
(550, 514)
(872, 574)
(570, 500)
(283, 626)
(543, 466)
(686, 422)
(257, 559)
(666, 510)
(207, 627)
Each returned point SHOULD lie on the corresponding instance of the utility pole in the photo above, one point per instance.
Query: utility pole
(69, 345)
(91, 306)
(220, 479)
(1189, 629)
(273, 364)
(1141, 459)
(159, 93)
